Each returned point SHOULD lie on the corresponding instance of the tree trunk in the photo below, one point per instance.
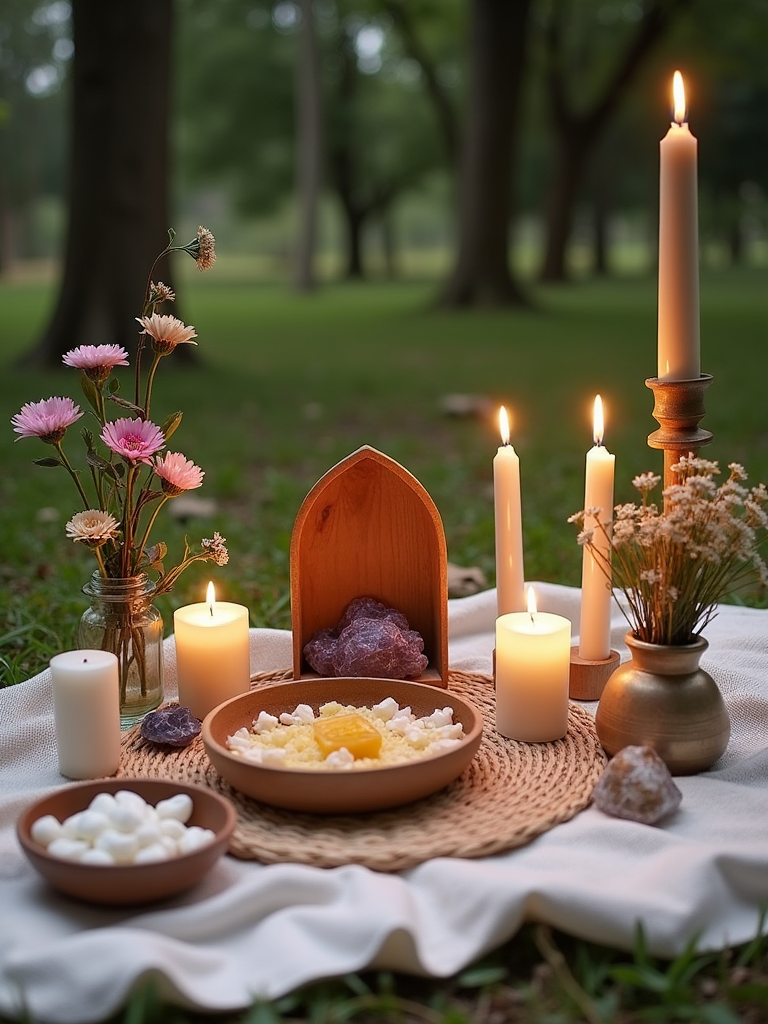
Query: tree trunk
(600, 212)
(736, 239)
(388, 243)
(353, 226)
(119, 173)
(482, 274)
(308, 145)
(568, 163)
(8, 235)
(577, 133)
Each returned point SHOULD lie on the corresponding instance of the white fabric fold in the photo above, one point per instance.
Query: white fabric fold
(251, 930)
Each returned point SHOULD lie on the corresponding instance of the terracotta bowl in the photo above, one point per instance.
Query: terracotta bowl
(128, 883)
(341, 791)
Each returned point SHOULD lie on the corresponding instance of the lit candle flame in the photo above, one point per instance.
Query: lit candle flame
(531, 603)
(504, 425)
(210, 596)
(598, 423)
(678, 94)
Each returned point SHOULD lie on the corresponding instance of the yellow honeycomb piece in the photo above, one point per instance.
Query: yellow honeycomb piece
(351, 731)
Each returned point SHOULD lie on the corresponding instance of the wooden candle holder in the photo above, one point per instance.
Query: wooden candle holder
(679, 405)
(588, 678)
(368, 528)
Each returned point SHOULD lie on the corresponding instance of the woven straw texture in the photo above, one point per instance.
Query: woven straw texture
(510, 793)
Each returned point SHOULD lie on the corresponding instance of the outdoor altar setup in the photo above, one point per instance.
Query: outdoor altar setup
(254, 823)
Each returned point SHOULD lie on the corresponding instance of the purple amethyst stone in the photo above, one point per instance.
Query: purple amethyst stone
(370, 639)
(172, 726)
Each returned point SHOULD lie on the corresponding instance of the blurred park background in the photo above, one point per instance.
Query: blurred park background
(423, 209)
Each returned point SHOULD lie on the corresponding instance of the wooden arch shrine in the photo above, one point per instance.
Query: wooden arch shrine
(369, 528)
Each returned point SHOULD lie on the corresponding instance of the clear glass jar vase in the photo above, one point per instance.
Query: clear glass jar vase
(122, 619)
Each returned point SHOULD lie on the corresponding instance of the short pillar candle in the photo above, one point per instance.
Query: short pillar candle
(86, 709)
(212, 653)
(533, 653)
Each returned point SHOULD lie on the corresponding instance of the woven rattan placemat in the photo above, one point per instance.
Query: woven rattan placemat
(510, 793)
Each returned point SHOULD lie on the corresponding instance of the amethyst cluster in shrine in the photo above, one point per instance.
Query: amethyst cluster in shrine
(369, 639)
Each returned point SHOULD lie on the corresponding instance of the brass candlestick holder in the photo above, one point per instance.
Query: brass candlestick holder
(679, 405)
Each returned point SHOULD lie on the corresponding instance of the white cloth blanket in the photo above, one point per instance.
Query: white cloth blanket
(251, 930)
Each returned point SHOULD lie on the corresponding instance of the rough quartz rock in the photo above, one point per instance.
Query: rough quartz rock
(369, 640)
(173, 725)
(637, 785)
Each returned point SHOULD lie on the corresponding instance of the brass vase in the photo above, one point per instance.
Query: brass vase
(662, 699)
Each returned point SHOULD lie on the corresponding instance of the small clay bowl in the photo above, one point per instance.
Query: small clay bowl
(128, 883)
(340, 791)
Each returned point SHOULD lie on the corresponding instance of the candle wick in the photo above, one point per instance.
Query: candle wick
(211, 608)
(533, 621)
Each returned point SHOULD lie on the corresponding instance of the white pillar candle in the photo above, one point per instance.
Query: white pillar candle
(510, 593)
(595, 625)
(678, 334)
(533, 657)
(86, 710)
(212, 653)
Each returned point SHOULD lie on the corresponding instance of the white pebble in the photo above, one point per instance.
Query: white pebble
(240, 741)
(386, 709)
(125, 829)
(451, 732)
(45, 829)
(172, 827)
(120, 845)
(126, 818)
(264, 723)
(127, 798)
(103, 802)
(70, 827)
(178, 807)
(440, 746)
(152, 854)
(417, 737)
(340, 758)
(304, 713)
(195, 838)
(94, 856)
(148, 832)
(439, 718)
(90, 824)
(68, 849)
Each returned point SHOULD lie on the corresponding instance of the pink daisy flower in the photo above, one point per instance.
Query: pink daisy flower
(47, 419)
(166, 332)
(136, 440)
(177, 473)
(96, 361)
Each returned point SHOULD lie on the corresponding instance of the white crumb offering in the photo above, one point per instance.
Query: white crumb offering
(344, 737)
(123, 829)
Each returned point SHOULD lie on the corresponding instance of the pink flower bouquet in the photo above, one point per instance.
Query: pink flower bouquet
(133, 475)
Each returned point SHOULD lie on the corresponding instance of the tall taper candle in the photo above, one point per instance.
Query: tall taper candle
(510, 595)
(595, 627)
(678, 336)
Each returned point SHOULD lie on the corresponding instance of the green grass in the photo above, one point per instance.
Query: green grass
(289, 385)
